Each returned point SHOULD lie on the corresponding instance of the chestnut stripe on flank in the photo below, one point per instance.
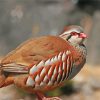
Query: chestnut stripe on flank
(53, 70)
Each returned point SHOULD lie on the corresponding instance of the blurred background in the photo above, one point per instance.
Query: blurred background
(24, 19)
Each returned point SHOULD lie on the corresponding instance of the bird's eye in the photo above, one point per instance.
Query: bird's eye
(74, 33)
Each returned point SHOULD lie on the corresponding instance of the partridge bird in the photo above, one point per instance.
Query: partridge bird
(44, 63)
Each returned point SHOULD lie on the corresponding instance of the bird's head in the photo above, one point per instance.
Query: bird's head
(73, 34)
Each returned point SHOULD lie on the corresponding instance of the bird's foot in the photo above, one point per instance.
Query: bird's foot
(51, 98)
(42, 97)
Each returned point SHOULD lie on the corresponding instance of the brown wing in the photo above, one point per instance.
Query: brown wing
(32, 52)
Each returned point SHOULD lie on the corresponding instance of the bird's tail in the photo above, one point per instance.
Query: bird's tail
(2, 78)
(6, 80)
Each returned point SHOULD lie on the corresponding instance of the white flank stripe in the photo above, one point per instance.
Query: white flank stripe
(37, 78)
(42, 84)
(55, 59)
(55, 71)
(33, 69)
(50, 83)
(45, 78)
(62, 77)
(47, 62)
(63, 66)
(59, 56)
(63, 56)
(58, 77)
(67, 52)
(52, 78)
(67, 66)
(68, 62)
(40, 64)
(42, 72)
(30, 82)
(59, 69)
(52, 60)
(49, 70)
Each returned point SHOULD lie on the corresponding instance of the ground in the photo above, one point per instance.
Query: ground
(86, 85)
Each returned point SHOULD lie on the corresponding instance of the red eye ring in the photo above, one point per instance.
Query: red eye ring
(74, 33)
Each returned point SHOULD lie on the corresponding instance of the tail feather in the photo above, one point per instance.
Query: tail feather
(10, 68)
(14, 68)
(2, 79)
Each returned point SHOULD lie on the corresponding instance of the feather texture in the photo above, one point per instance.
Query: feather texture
(43, 63)
(50, 71)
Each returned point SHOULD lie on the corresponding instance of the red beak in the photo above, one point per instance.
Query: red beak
(83, 35)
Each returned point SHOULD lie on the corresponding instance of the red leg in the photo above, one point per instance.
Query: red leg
(42, 97)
